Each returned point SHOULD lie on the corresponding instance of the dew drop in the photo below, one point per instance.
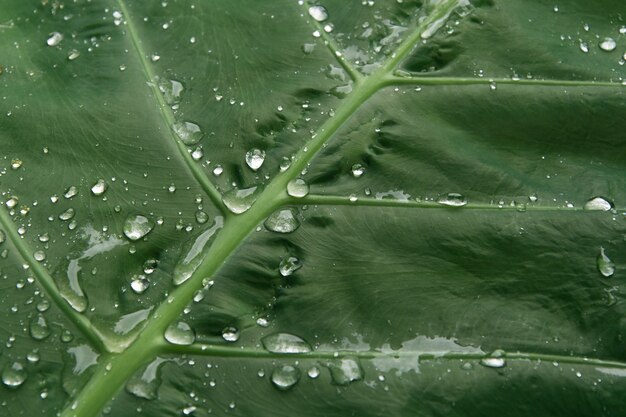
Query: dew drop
(495, 360)
(599, 204)
(345, 371)
(313, 372)
(146, 384)
(39, 256)
(289, 265)
(358, 170)
(230, 334)
(137, 226)
(39, 328)
(72, 55)
(606, 267)
(99, 187)
(239, 200)
(584, 47)
(16, 164)
(180, 333)
(297, 188)
(70, 192)
(139, 284)
(285, 343)
(188, 132)
(452, 200)
(285, 377)
(3, 236)
(218, 170)
(282, 221)
(201, 217)
(255, 158)
(67, 214)
(172, 91)
(13, 376)
(54, 39)
(608, 44)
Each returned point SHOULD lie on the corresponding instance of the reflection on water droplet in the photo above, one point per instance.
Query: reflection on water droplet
(297, 188)
(38, 327)
(285, 343)
(201, 217)
(230, 334)
(357, 170)
(188, 132)
(172, 91)
(606, 267)
(72, 55)
(495, 360)
(99, 187)
(584, 47)
(137, 226)
(345, 371)
(239, 201)
(180, 333)
(313, 372)
(139, 284)
(318, 13)
(289, 265)
(54, 39)
(453, 200)
(255, 158)
(598, 203)
(14, 375)
(282, 221)
(39, 256)
(608, 44)
(285, 377)
(67, 214)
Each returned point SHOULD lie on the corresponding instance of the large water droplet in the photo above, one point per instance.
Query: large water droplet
(39, 256)
(285, 343)
(14, 375)
(39, 328)
(67, 214)
(230, 334)
(282, 221)
(608, 44)
(453, 200)
(345, 371)
(297, 188)
(605, 265)
(70, 192)
(139, 284)
(180, 333)
(357, 170)
(188, 132)
(137, 226)
(598, 203)
(313, 372)
(495, 360)
(289, 265)
(284, 377)
(239, 201)
(255, 158)
(146, 384)
(172, 91)
(54, 39)
(318, 13)
(99, 187)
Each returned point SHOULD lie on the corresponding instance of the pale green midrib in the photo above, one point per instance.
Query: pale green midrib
(47, 283)
(168, 116)
(354, 74)
(332, 200)
(112, 373)
(229, 352)
(417, 80)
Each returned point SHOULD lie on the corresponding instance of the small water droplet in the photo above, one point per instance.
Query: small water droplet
(313, 372)
(188, 132)
(239, 201)
(218, 170)
(598, 203)
(285, 343)
(70, 192)
(255, 158)
(606, 267)
(72, 55)
(54, 39)
(608, 44)
(282, 221)
(180, 333)
(39, 328)
(3, 236)
(172, 91)
(67, 214)
(39, 256)
(137, 226)
(201, 217)
(318, 13)
(99, 187)
(495, 360)
(358, 170)
(230, 334)
(16, 164)
(584, 47)
(345, 371)
(453, 200)
(289, 265)
(285, 377)
(297, 188)
(139, 284)
(14, 375)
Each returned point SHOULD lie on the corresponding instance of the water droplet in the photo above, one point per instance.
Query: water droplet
(99, 187)
(13, 376)
(605, 266)
(313, 372)
(318, 13)
(188, 132)
(453, 200)
(495, 360)
(345, 371)
(3, 236)
(197, 154)
(358, 170)
(230, 334)
(282, 221)
(67, 214)
(180, 333)
(608, 44)
(598, 203)
(172, 91)
(289, 265)
(297, 188)
(584, 47)
(533, 198)
(72, 55)
(218, 170)
(285, 343)
(39, 328)
(54, 39)
(137, 226)
(239, 201)
(16, 164)
(70, 192)
(255, 158)
(201, 217)
(284, 377)
(11, 202)
(145, 385)
(39, 255)
(139, 284)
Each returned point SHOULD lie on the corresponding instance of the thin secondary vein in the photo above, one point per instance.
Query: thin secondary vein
(168, 116)
(417, 80)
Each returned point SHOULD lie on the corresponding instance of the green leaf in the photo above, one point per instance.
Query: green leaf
(282, 208)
